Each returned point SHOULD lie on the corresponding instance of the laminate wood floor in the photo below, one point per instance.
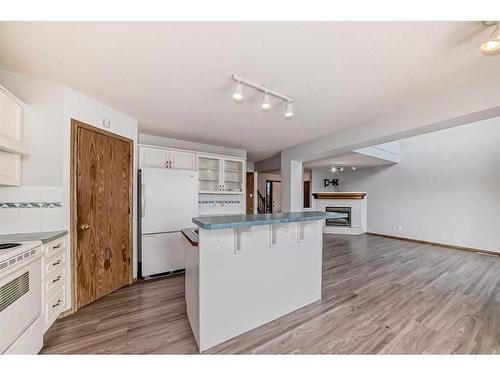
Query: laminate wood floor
(379, 296)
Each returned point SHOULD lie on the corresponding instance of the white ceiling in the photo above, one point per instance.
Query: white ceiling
(350, 159)
(174, 77)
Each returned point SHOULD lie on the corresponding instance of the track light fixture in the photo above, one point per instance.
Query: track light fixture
(266, 100)
(492, 45)
(340, 168)
(289, 110)
(238, 93)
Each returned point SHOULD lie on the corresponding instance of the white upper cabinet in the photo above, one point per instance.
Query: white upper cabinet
(217, 174)
(182, 160)
(234, 175)
(10, 169)
(10, 123)
(11, 146)
(221, 175)
(209, 174)
(153, 157)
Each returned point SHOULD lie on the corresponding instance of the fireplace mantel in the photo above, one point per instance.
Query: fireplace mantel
(339, 195)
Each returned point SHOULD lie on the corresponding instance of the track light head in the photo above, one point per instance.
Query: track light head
(353, 168)
(334, 169)
(266, 103)
(342, 169)
(289, 111)
(492, 45)
(238, 93)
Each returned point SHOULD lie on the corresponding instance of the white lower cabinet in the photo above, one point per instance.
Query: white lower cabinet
(165, 253)
(53, 307)
(54, 281)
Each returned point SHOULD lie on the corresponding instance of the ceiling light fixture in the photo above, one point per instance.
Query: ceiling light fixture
(334, 169)
(342, 169)
(492, 45)
(238, 93)
(353, 168)
(289, 111)
(266, 102)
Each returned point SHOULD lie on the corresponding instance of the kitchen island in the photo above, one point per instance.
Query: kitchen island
(248, 270)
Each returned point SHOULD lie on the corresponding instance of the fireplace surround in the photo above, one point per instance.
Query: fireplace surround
(342, 219)
(351, 212)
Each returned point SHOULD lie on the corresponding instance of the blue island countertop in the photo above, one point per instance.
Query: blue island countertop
(241, 221)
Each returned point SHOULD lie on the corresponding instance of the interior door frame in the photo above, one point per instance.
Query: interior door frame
(269, 197)
(75, 125)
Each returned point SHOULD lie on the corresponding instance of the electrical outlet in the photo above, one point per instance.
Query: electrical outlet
(400, 228)
(106, 123)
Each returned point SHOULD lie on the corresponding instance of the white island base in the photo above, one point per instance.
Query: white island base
(241, 278)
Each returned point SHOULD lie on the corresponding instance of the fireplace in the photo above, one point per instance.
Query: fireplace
(342, 219)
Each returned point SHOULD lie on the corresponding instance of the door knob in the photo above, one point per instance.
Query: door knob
(85, 227)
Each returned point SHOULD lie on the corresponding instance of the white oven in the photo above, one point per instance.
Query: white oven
(21, 299)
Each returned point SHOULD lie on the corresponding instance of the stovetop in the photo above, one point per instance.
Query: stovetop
(9, 245)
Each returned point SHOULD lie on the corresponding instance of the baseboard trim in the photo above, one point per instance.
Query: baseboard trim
(454, 247)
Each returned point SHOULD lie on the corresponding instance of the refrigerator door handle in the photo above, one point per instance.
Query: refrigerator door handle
(143, 200)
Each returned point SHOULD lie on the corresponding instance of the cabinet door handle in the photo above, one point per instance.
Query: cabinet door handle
(57, 263)
(57, 304)
(171, 164)
(56, 246)
(56, 279)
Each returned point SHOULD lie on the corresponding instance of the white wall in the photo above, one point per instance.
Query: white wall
(446, 188)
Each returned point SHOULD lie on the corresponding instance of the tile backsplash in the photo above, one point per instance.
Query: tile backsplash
(224, 204)
(31, 209)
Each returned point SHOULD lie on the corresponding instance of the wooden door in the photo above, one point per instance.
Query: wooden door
(102, 168)
(249, 190)
(307, 194)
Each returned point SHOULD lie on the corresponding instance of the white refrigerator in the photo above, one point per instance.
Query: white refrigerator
(169, 201)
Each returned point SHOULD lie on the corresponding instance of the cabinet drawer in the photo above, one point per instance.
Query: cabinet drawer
(53, 282)
(53, 307)
(53, 262)
(55, 246)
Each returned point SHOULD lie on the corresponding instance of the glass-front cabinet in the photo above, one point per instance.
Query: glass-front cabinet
(221, 175)
(233, 176)
(209, 172)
